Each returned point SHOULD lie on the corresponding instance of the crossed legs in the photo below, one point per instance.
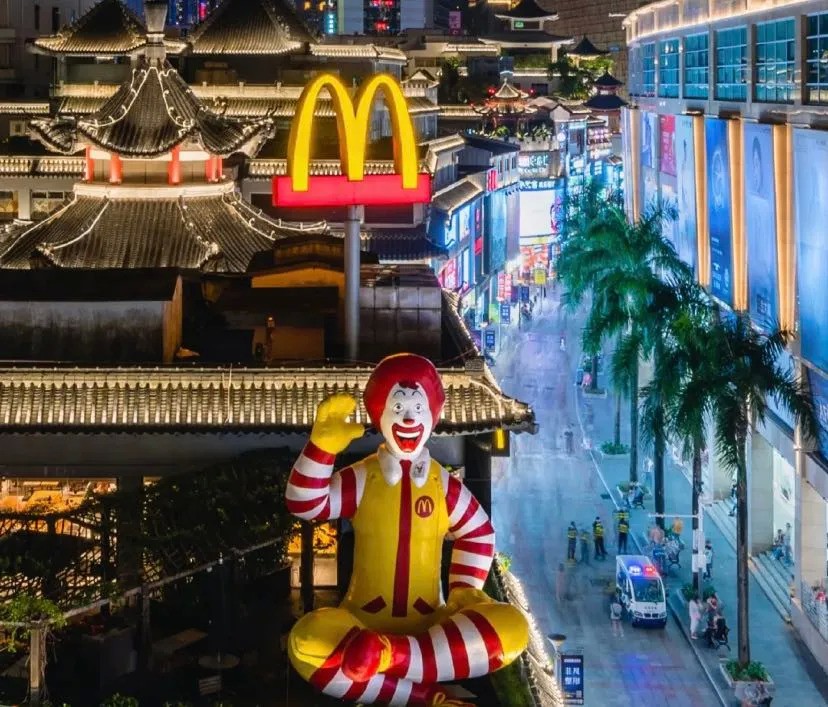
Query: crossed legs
(471, 642)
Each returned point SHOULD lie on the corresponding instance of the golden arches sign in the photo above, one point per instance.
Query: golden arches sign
(353, 121)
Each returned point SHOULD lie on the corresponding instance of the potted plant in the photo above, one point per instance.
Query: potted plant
(751, 683)
(611, 449)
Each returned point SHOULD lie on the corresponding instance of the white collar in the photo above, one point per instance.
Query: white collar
(392, 469)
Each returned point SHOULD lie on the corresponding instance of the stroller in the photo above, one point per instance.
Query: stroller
(717, 633)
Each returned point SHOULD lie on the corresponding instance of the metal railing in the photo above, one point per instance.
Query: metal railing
(815, 607)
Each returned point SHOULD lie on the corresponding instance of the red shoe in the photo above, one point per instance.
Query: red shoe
(367, 654)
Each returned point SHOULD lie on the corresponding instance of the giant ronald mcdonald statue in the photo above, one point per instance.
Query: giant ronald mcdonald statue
(394, 639)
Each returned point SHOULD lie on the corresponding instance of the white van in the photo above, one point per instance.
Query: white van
(642, 591)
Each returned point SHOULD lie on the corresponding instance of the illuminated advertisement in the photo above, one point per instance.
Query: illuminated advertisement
(496, 229)
(533, 259)
(811, 196)
(819, 395)
(448, 275)
(649, 140)
(541, 202)
(718, 208)
(626, 127)
(760, 225)
(534, 164)
(667, 125)
(512, 224)
(687, 245)
(670, 226)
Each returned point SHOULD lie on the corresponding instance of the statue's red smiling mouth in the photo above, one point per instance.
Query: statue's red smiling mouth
(407, 438)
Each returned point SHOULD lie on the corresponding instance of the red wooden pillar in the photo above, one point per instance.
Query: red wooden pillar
(174, 168)
(219, 168)
(89, 166)
(115, 169)
(210, 169)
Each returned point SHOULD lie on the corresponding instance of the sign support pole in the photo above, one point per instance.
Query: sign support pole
(352, 278)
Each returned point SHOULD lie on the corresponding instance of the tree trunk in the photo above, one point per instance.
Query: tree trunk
(634, 423)
(306, 567)
(593, 383)
(617, 431)
(697, 482)
(742, 552)
(659, 444)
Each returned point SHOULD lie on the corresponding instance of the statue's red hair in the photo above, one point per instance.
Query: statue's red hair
(408, 370)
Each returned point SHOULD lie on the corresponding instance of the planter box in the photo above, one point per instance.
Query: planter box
(599, 393)
(607, 455)
(749, 690)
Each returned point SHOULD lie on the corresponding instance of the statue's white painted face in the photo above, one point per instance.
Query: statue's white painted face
(406, 421)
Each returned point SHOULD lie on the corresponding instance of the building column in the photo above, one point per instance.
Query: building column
(478, 465)
(809, 540)
(128, 528)
(174, 167)
(89, 166)
(24, 204)
(116, 170)
(760, 493)
(212, 168)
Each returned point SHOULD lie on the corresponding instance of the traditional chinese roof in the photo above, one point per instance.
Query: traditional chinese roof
(607, 80)
(233, 106)
(507, 92)
(107, 28)
(251, 27)
(47, 167)
(401, 244)
(359, 51)
(527, 39)
(528, 10)
(586, 49)
(218, 399)
(491, 144)
(605, 101)
(149, 115)
(267, 168)
(458, 194)
(195, 227)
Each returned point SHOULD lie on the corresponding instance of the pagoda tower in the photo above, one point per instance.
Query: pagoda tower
(154, 193)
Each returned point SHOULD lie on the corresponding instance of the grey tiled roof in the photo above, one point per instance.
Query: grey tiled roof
(455, 196)
(251, 27)
(224, 399)
(605, 101)
(149, 115)
(109, 27)
(400, 244)
(209, 228)
(528, 10)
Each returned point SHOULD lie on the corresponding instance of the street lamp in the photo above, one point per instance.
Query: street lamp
(557, 640)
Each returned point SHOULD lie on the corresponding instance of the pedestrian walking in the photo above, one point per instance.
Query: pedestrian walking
(786, 539)
(585, 546)
(649, 465)
(623, 532)
(568, 439)
(733, 501)
(598, 535)
(695, 615)
(571, 541)
(708, 559)
(616, 612)
(560, 583)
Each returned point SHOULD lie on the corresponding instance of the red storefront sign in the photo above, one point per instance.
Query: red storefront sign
(507, 287)
(501, 286)
(448, 275)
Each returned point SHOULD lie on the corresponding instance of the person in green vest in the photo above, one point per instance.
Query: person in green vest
(598, 536)
(571, 540)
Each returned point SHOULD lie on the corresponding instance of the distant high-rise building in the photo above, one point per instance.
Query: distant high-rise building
(185, 13)
(384, 17)
(319, 15)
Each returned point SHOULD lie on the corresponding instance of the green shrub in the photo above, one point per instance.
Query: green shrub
(613, 448)
(687, 592)
(625, 487)
(753, 671)
(119, 700)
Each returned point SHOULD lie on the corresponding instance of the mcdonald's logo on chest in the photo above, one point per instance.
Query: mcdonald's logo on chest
(352, 187)
(424, 506)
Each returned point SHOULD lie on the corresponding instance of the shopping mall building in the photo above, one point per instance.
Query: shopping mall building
(730, 123)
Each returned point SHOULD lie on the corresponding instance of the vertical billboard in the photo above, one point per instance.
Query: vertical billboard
(687, 245)
(496, 225)
(649, 161)
(819, 396)
(811, 196)
(719, 209)
(667, 177)
(626, 136)
(760, 225)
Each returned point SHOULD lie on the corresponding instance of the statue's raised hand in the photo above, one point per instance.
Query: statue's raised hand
(332, 432)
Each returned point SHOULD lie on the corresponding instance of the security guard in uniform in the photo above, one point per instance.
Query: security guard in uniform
(571, 541)
(623, 532)
(598, 535)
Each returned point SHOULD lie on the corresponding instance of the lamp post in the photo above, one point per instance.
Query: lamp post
(557, 640)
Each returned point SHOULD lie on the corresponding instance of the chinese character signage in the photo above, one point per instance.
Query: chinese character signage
(572, 679)
(501, 286)
(491, 338)
(505, 312)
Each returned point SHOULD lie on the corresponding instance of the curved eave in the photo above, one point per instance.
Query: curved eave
(287, 48)
(57, 138)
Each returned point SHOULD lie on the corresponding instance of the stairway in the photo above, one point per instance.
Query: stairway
(770, 574)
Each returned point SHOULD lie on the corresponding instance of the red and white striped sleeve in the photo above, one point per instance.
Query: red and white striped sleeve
(316, 492)
(473, 535)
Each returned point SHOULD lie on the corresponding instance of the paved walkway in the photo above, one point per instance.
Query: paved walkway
(799, 679)
(536, 493)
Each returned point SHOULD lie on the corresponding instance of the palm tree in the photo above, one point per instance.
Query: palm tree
(679, 399)
(630, 270)
(748, 374)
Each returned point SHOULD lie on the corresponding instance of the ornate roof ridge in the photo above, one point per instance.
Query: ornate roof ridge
(126, 36)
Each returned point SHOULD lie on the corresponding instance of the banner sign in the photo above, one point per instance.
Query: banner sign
(505, 312)
(572, 679)
(719, 209)
(491, 338)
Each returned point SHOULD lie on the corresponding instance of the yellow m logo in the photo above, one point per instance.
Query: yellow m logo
(353, 119)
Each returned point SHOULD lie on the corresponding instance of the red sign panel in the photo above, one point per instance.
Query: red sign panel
(507, 287)
(501, 286)
(338, 190)
(448, 275)
(491, 180)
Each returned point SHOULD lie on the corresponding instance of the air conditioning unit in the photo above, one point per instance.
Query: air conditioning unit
(17, 128)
